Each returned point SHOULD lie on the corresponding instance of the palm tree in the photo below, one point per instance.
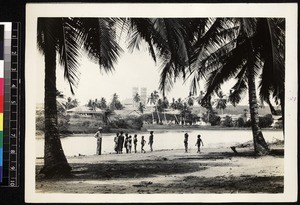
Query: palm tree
(65, 37)
(221, 101)
(106, 117)
(190, 100)
(153, 100)
(141, 107)
(234, 48)
(115, 103)
(243, 61)
(173, 104)
(165, 105)
(200, 97)
(103, 104)
(137, 98)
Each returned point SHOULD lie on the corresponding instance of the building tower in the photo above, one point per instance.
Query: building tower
(144, 95)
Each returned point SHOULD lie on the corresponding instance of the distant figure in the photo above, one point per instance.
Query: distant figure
(199, 141)
(186, 139)
(126, 142)
(143, 142)
(98, 135)
(129, 143)
(120, 142)
(116, 142)
(151, 140)
(135, 142)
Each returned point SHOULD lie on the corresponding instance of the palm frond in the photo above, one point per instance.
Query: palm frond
(100, 41)
(69, 52)
(239, 87)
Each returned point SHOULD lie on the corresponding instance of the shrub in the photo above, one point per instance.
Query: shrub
(63, 123)
(265, 121)
(76, 116)
(212, 117)
(86, 123)
(248, 123)
(120, 123)
(240, 122)
(228, 122)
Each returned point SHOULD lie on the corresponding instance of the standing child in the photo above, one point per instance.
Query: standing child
(116, 143)
(129, 143)
(186, 139)
(135, 142)
(126, 142)
(143, 142)
(199, 141)
(151, 140)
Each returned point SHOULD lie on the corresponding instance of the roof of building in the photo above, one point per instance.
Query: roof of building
(125, 113)
(84, 110)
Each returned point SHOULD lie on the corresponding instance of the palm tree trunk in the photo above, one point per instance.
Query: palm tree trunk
(55, 162)
(157, 114)
(281, 97)
(260, 145)
(152, 118)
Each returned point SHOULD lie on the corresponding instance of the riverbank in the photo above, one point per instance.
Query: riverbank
(171, 171)
(193, 127)
(162, 128)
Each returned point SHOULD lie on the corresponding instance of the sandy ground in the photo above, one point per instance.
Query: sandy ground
(171, 171)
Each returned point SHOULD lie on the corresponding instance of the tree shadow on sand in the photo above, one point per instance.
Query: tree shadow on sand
(133, 169)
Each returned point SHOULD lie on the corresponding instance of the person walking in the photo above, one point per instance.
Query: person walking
(129, 143)
(116, 143)
(199, 141)
(120, 142)
(151, 140)
(186, 139)
(143, 142)
(98, 135)
(135, 142)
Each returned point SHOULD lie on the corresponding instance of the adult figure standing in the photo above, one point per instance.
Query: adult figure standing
(186, 139)
(98, 135)
(151, 140)
(120, 142)
(135, 142)
(199, 142)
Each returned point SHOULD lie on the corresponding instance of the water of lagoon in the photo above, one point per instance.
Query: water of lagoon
(86, 144)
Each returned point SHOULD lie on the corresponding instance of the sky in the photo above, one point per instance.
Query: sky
(135, 69)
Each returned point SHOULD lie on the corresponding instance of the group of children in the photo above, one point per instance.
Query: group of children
(198, 143)
(126, 142)
(122, 141)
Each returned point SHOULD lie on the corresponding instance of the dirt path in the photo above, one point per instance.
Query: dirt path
(170, 171)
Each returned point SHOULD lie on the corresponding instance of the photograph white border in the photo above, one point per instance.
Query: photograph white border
(282, 10)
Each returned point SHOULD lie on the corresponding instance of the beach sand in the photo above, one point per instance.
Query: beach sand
(170, 171)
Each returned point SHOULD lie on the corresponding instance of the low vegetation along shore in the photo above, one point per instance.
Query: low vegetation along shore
(172, 171)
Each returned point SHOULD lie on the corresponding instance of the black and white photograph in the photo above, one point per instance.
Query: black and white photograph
(161, 102)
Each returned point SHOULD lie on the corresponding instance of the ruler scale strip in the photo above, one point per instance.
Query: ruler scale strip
(10, 86)
(1, 97)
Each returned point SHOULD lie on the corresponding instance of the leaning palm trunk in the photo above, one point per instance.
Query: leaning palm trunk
(55, 162)
(260, 145)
